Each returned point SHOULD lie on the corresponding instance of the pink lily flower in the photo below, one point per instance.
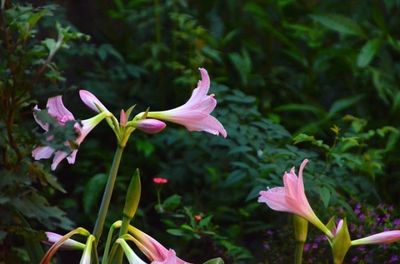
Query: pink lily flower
(291, 198)
(380, 238)
(195, 113)
(53, 238)
(59, 112)
(153, 250)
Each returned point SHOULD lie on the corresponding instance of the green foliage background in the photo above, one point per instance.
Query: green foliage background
(293, 80)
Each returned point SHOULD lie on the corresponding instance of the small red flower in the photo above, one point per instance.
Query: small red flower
(198, 218)
(160, 180)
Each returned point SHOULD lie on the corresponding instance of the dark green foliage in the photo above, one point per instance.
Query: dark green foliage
(27, 70)
(293, 80)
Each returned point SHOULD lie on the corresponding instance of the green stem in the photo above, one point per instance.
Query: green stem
(122, 231)
(109, 240)
(105, 202)
(298, 257)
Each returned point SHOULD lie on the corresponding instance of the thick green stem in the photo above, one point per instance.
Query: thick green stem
(298, 257)
(105, 202)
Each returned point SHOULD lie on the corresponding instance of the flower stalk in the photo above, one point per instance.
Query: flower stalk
(300, 235)
(130, 207)
(105, 202)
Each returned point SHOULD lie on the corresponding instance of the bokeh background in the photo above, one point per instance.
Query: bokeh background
(293, 80)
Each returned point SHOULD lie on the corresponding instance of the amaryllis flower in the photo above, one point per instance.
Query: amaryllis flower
(153, 250)
(195, 113)
(380, 238)
(62, 115)
(53, 238)
(291, 198)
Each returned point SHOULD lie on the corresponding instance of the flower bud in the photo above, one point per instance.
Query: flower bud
(150, 126)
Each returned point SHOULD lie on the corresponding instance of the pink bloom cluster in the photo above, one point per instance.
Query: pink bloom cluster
(62, 115)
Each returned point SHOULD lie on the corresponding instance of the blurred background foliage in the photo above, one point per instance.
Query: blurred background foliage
(293, 80)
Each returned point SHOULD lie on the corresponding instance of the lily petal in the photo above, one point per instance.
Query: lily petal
(44, 152)
(53, 238)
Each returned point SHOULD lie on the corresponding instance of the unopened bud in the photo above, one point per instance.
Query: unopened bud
(151, 126)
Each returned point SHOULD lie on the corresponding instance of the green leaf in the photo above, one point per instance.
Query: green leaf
(205, 221)
(340, 24)
(32, 205)
(239, 149)
(215, 261)
(300, 107)
(32, 20)
(344, 103)
(235, 177)
(368, 52)
(175, 232)
(306, 138)
(325, 195)
(92, 191)
(172, 202)
(348, 143)
(52, 180)
(50, 44)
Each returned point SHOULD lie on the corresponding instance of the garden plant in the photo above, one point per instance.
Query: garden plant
(298, 162)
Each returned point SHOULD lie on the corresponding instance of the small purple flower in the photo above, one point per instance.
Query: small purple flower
(314, 245)
(270, 232)
(396, 222)
(361, 217)
(267, 246)
(306, 247)
(394, 259)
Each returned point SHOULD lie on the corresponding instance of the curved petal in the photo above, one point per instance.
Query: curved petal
(57, 109)
(92, 102)
(53, 238)
(180, 116)
(275, 198)
(42, 152)
(58, 157)
(290, 181)
(171, 258)
(207, 105)
(203, 86)
(209, 124)
(71, 158)
(300, 183)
